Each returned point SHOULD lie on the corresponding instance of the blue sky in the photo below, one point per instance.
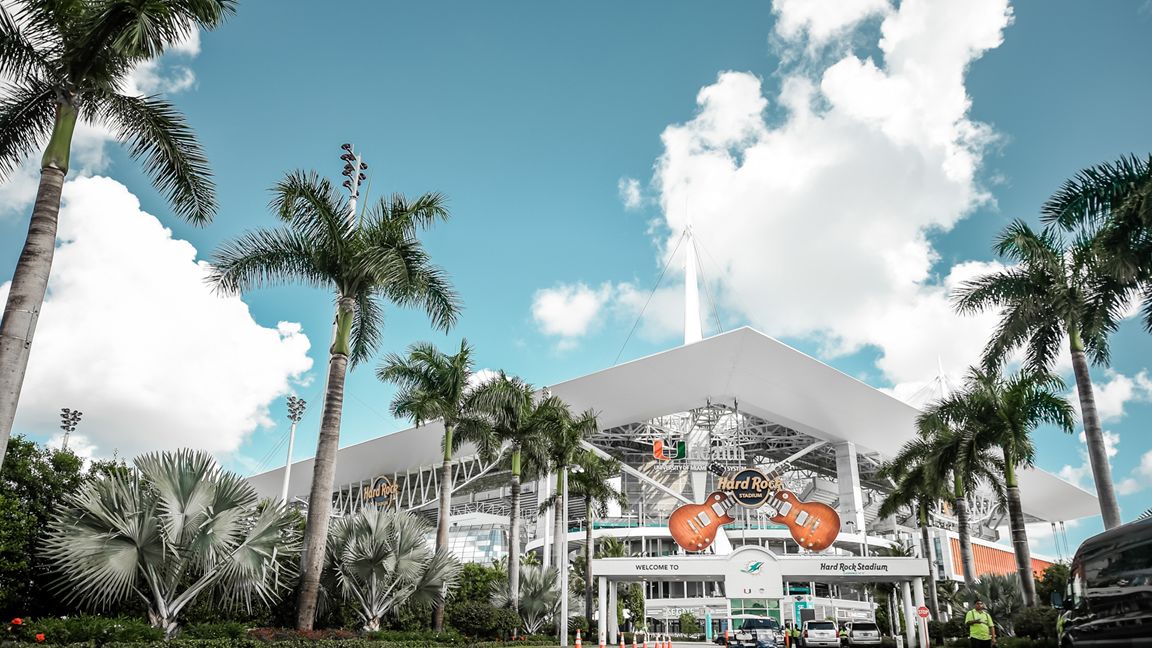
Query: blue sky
(843, 164)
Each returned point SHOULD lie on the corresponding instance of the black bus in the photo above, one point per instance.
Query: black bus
(1109, 597)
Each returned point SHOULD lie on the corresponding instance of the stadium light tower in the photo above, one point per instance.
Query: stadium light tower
(69, 418)
(295, 413)
(353, 173)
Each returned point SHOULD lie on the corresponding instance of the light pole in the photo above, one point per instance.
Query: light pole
(352, 170)
(69, 418)
(295, 413)
(562, 559)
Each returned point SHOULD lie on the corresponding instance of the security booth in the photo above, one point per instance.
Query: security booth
(753, 581)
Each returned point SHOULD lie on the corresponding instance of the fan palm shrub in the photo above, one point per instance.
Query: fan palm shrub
(538, 599)
(66, 62)
(1002, 413)
(1002, 596)
(379, 560)
(364, 259)
(1056, 292)
(175, 527)
(434, 385)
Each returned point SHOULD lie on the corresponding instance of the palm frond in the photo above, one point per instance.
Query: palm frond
(19, 57)
(265, 257)
(26, 118)
(1097, 192)
(316, 209)
(156, 132)
(143, 30)
(367, 327)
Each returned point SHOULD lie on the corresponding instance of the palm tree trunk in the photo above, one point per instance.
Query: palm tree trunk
(588, 563)
(324, 471)
(1019, 533)
(443, 520)
(30, 279)
(968, 565)
(514, 535)
(1093, 436)
(930, 554)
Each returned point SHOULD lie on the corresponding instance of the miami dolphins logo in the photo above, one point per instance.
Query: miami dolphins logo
(753, 567)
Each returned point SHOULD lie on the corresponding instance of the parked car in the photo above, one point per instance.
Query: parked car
(763, 632)
(819, 634)
(863, 633)
(1109, 598)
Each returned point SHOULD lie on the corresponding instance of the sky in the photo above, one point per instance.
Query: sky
(843, 165)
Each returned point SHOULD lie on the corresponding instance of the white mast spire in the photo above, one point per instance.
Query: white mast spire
(692, 332)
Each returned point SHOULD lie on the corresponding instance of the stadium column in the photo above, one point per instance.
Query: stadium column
(918, 600)
(602, 602)
(848, 483)
(613, 621)
(909, 614)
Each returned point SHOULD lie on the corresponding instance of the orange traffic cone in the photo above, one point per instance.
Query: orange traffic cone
(621, 639)
(601, 641)
(633, 639)
(578, 638)
(644, 642)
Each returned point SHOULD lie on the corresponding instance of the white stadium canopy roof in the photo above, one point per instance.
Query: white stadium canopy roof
(768, 378)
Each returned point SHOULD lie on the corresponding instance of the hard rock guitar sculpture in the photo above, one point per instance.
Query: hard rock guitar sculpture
(813, 525)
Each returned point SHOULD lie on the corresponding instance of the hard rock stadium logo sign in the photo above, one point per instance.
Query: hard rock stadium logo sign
(382, 493)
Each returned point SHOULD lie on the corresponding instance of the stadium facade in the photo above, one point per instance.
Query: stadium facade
(741, 400)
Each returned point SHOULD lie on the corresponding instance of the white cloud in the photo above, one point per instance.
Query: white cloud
(1081, 474)
(132, 336)
(630, 195)
(822, 20)
(1140, 477)
(820, 222)
(569, 311)
(1114, 393)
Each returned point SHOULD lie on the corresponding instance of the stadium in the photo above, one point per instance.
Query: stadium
(739, 399)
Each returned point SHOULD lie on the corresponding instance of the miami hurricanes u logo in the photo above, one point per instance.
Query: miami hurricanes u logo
(668, 451)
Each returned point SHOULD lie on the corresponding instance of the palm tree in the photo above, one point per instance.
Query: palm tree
(561, 448)
(593, 485)
(955, 459)
(380, 561)
(433, 385)
(520, 422)
(66, 62)
(365, 260)
(1002, 413)
(1055, 291)
(171, 529)
(1115, 198)
(918, 487)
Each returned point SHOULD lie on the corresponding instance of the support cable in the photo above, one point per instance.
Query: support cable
(707, 292)
(649, 300)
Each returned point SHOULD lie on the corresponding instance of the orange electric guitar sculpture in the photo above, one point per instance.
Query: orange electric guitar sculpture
(813, 525)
